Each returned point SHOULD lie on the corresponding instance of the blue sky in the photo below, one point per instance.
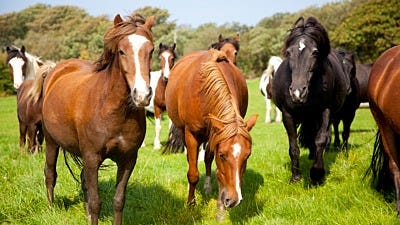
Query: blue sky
(189, 12)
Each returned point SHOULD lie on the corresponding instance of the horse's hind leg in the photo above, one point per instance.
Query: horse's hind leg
(52, 150)
(157, 117)
(123, 174)
(193, 171)
(346, 128)
(22, 137)
(335, 125)
(268, 110)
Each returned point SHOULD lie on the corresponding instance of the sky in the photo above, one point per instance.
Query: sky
(183, 12)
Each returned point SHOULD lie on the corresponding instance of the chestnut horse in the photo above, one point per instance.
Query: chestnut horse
(95, 110)
(158, 82)
(383, 92)
(309, 87)
(230, 46)
(208, 105)
(23, 67)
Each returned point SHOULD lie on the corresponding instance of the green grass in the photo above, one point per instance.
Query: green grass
(157, 189)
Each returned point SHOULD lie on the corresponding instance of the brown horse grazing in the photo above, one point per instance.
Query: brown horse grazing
(158, 82)
(230, 46)
(383, 92)
(95, 110)
(208, 105)
(23, 67)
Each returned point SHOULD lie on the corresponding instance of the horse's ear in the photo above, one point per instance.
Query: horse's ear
(215, 122)
(236, 38)
(149, 22)
(23, 49)
(117, 19)
(7, 48)
(220, 38)
(173, 46)
(251, 121)
(159, 46)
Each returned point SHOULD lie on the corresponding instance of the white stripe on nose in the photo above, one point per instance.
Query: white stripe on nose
(237, 148)
(17, 63)
(137, 42)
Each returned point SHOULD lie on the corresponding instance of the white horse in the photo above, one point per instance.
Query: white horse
(265, 88)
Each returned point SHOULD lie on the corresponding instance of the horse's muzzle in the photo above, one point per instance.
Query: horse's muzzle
(142, 98)
(299, 95)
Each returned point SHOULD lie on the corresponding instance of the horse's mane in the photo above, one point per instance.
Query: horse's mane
(116, 33)
(220, 102)
(35, 92)
(312, 29)
(218, 45)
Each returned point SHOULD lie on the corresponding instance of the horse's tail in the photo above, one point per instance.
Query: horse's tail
(379, 167)
(175, 141)
(35, 93)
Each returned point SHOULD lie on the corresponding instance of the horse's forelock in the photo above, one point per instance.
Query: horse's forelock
(311, 28)
(116, 33)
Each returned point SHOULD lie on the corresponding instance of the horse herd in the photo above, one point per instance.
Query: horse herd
(97, 110)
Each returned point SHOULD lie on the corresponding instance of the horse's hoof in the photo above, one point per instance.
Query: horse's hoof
(295, 178)
(317, 175)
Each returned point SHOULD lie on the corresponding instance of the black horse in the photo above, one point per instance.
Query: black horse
(348, 111)
(362, 75)
(309, 87)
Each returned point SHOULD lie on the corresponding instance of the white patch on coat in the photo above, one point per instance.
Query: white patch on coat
(16, 63)
(301, 45)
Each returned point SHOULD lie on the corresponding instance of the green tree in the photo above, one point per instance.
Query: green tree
(371, 28)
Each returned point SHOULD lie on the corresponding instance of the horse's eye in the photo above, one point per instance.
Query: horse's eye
(222, 156)
(315, 52)
(121, 52)
(288, 53)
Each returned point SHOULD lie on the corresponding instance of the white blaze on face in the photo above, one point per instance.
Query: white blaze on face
(166, 55)
(297, 93)
(236, 152)
(301, 45)
(17, 63)
(137, 42)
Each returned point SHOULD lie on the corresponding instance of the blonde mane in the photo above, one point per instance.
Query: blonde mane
(35, 92)
(32, 65)
(221, 104)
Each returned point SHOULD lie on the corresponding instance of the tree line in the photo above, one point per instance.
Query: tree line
(364, 27)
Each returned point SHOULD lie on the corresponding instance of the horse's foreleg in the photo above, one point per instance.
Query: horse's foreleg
(91, 165)
(32, 138)
(268, 110)
(208, 159)
(335, 124)
(157, 143)
(22, 137)
(317, 172)
(294, 151)
(123, 174)
(346, 128)
(193, 172)
(52, 150)
(278, 115)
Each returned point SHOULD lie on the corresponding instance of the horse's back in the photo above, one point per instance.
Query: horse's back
(384, 85)
(183, 92)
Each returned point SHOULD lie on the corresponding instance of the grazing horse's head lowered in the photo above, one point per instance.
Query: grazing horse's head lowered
(305, 48)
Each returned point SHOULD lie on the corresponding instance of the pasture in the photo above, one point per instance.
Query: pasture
(157, 189)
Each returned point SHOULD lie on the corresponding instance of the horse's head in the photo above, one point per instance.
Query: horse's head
(348, 62)
(305, 48)
(167, 58)
(231, 156)
(17, 62)
(230, 46)
(128, 46)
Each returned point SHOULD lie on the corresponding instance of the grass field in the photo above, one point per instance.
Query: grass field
(157, 189)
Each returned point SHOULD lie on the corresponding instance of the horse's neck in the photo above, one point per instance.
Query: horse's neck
(32, 66)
